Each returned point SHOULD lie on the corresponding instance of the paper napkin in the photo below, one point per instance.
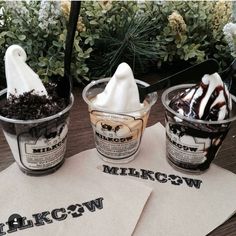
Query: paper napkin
(180, 204)
(73, 201)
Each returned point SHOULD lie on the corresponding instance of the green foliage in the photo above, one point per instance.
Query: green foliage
(42, 34)
(203, 37)
(142, 35)
(123, 37)
(147, 34)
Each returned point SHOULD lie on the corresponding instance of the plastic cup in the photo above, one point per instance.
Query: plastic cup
(117, 135)
(192, 144)
(39, 145)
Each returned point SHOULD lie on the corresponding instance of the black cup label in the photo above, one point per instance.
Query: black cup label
(184, 148)
(117, 136)
(43, 146)
(193, 148)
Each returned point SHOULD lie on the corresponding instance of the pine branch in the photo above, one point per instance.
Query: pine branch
(129, 42)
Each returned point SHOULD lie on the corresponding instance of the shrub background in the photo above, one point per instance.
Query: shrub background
(147, 35)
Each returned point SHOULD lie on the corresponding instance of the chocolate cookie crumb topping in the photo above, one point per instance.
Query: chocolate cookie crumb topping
(30, 106)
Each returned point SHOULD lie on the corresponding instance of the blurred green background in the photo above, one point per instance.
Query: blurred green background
(151, 36)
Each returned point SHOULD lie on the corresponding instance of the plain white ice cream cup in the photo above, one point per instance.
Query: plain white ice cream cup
(38, 146)
(117, 135)
(192, 144)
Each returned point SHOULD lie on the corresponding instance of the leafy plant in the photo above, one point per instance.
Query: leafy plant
(158, 32)
(40, 28)
(190, 30)
(146, 35)
(128, 42)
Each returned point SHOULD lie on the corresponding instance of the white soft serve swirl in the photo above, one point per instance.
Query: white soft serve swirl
(20, 77)
(121, 93)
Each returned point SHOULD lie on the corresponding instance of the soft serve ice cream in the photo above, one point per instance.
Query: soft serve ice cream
(117, 116)
(195, 135)
(34, 118)
(210, 100)
(27, 96)
(121, 92)
(20, 77)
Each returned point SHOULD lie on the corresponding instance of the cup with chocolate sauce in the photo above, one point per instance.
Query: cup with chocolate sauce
(198, 118)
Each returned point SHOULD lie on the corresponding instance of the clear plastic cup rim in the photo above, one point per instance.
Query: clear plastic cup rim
(147, 107)
(166, 102)
(16, 121)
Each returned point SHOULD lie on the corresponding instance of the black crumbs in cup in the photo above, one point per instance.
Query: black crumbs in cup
(30, 106)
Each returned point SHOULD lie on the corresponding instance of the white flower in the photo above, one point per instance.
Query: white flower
(18, 8)
(49, 13)
(229, 31)
(230, 28)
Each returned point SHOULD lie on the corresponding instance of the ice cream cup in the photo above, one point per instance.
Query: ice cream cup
(192, 144)
(117, 135)
(39, 145)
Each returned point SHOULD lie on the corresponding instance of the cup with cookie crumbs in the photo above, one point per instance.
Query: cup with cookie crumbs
(33, 117)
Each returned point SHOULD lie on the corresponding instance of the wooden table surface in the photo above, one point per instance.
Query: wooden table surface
(80, 138)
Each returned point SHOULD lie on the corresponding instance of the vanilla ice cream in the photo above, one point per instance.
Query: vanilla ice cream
(117, 117)
(121, 93)
(20, 77)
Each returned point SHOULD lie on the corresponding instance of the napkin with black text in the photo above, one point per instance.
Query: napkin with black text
(180, 204)
(73, 201)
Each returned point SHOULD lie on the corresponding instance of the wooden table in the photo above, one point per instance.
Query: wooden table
(80, 138)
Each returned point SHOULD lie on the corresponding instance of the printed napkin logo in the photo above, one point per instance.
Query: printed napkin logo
(17, 222)
(43, 146)
(153, 176)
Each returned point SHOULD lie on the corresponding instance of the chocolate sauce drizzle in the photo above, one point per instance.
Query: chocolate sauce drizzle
(191, 106)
